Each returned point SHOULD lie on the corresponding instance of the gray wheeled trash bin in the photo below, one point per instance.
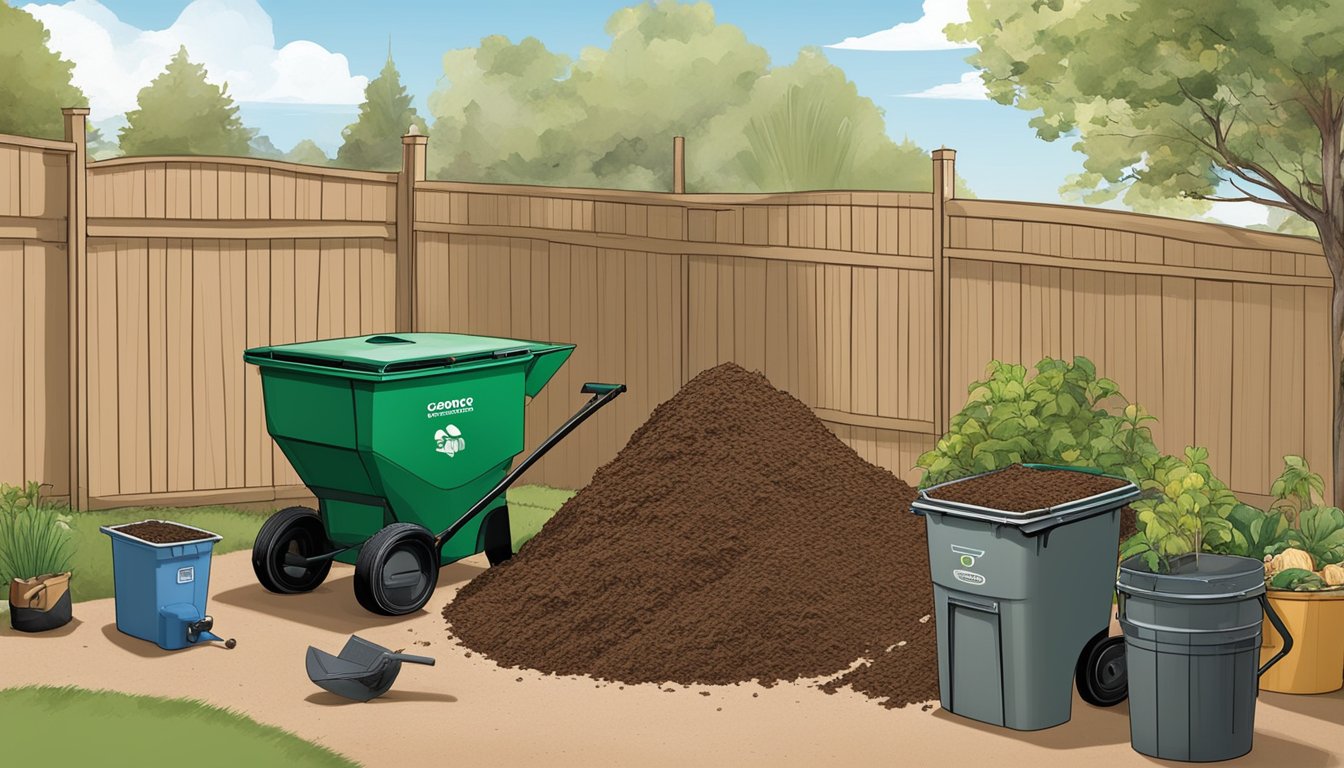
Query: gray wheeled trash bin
(1022, 603)
(1192, 636)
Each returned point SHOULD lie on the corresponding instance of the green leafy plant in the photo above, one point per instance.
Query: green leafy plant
(1297, 580)
(1065, 414)
(1315, 528)
(1187, 510)
(34, 538)
(1257, 533)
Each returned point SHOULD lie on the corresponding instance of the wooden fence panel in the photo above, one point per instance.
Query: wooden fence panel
(1209, 328)
(1222, 333)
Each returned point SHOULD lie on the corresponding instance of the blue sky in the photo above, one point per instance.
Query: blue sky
(280, 51)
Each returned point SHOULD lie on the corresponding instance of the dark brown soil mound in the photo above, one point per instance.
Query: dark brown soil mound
(159, 532)
(733, 538)
(1023, 489)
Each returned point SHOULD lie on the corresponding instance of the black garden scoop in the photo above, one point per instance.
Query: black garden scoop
(361, 672)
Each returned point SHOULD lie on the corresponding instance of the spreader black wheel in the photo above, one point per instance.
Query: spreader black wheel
(291, 531)
(1103, 680)
(397, 570)
(498, 538)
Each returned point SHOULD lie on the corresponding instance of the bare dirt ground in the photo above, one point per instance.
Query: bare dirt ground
(467, 709)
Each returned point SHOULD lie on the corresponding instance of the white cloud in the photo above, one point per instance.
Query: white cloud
(969, 87)
(1239, 214)
(234, 39)
(922, 34)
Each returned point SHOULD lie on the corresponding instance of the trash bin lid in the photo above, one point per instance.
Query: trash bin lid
(384, 355)
(1195, 576)
(1030, 520)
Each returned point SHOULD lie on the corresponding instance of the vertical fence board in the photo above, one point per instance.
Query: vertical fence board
(1318, 389)
(232, 340)
(104, 453)
(284, 312)
(1149, 335)
(257, 470)
(132, 367)
(208, 437)
(12, 394)
(864, 382)
(1213, 370)
(1251, 403)
(1288, 415)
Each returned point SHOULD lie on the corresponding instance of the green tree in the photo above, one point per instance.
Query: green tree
(1177, 99)
(374, 140)
(520, 113)
(805, 126)
(261, 146)
(36, 81)
(99, 146)
(181, 113)
(308, 153)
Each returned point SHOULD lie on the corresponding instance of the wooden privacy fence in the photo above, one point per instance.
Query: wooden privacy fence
(133, 286)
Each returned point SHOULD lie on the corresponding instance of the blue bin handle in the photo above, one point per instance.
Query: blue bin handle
(1278, 627)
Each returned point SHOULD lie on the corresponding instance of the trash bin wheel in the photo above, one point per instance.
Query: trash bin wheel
(296, 530)
(498, 537)
(1103, 680)
(397, 570)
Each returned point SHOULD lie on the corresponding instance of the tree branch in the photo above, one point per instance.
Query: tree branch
(1234, 163)
(1213, 199)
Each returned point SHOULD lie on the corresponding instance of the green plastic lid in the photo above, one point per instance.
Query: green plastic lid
(398, 353)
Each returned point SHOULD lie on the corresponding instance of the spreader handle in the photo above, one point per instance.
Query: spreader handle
(593, 388)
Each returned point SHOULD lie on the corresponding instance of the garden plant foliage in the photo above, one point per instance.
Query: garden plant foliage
(34, 538)
(1067, 415)
(1062, 415)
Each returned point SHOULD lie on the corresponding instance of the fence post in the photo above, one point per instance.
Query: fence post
(413, 146)
(944, 189)
(679, 165)
(76, 240)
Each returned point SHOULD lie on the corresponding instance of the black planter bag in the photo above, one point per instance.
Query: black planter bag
(40, 604)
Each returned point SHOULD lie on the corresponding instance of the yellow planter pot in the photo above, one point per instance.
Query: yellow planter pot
(1316, 663)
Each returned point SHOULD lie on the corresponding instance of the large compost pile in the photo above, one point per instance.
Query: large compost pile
(734, 538)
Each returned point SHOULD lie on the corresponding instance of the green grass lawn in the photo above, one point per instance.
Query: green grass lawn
(529, 507)
(74, 726)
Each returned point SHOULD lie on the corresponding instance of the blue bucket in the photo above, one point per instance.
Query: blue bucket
(161, 588)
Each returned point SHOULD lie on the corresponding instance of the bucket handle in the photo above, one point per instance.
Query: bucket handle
(1278, 627)
(31, 595)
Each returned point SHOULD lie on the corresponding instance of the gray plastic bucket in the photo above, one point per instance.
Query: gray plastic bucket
(1019, 600)
(1192, 643)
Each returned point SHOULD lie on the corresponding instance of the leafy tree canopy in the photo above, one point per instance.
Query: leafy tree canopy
(261, 146)
(1177, 99)
(35, 83)
(517, 112)
(181, 113)
(1173, 99)
(308, 153)
(374, 139)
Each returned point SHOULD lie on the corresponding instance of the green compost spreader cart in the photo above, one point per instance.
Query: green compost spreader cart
(406, 440)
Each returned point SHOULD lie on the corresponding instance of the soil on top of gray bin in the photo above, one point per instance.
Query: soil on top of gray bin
(159, 532)
(1023, 489)
(734, 538)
